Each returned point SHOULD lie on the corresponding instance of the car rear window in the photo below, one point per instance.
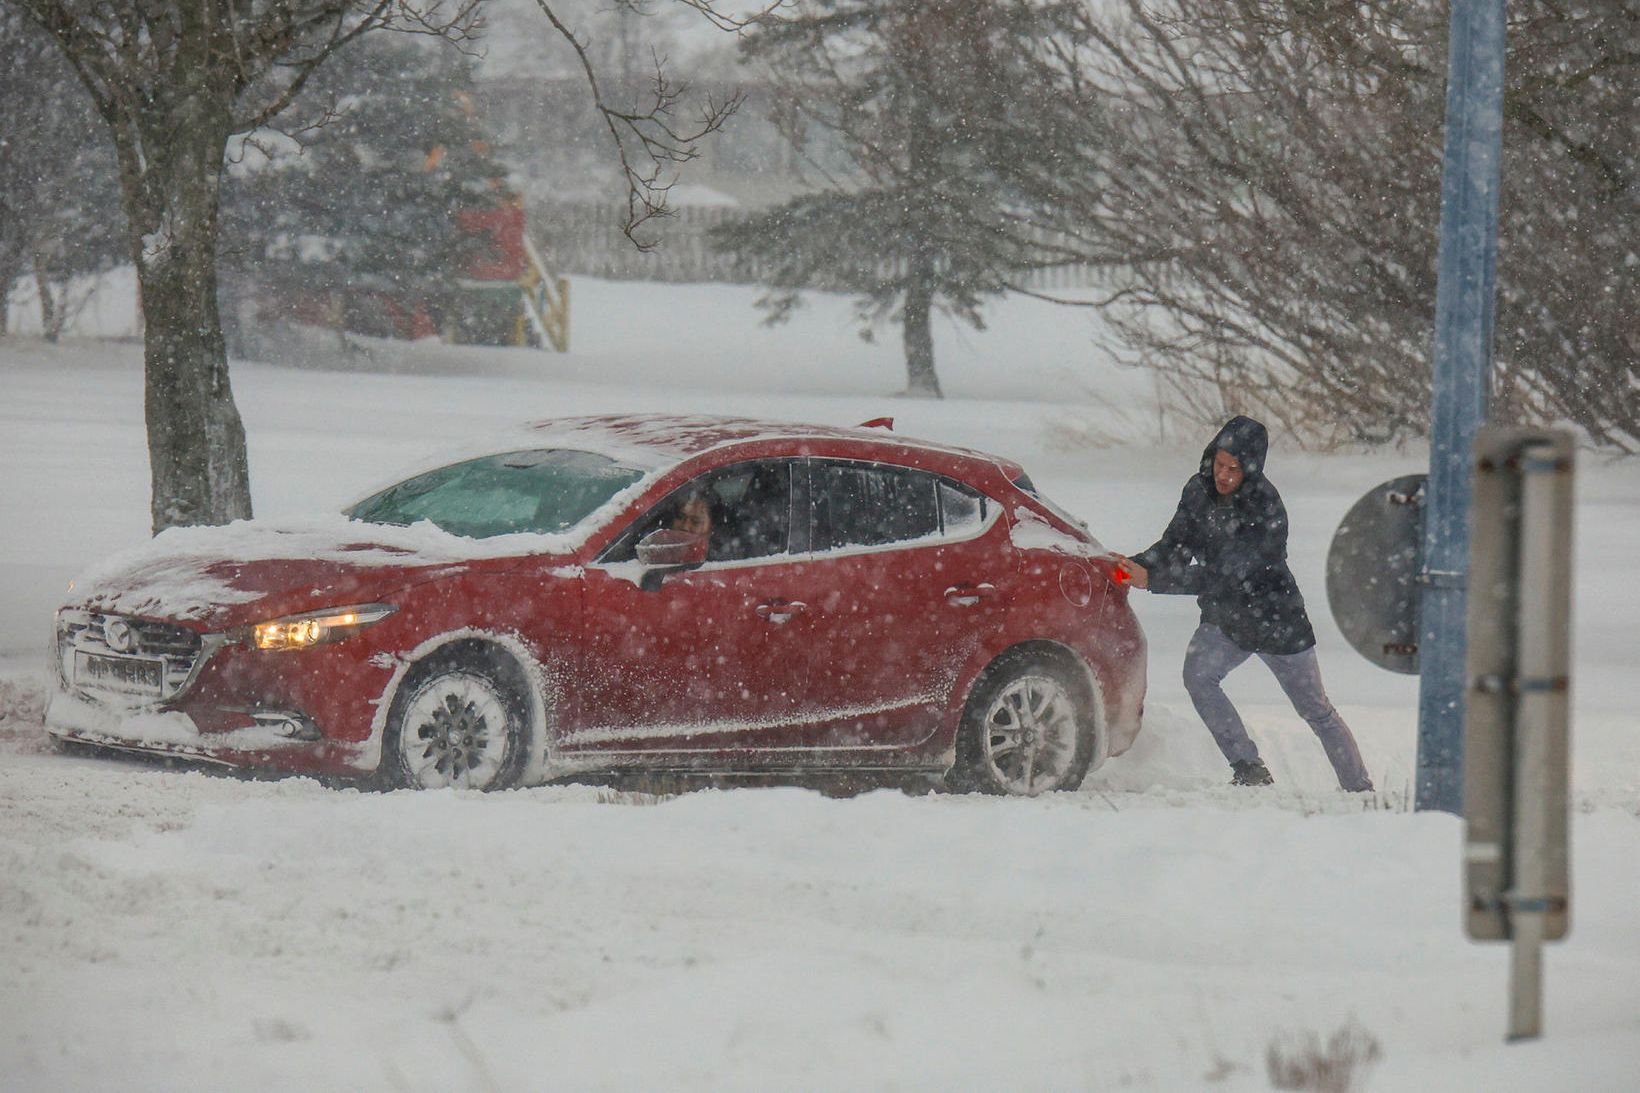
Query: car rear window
(1024, 483)
(545, 491)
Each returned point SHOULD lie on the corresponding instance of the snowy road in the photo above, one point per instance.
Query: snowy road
(170, 930)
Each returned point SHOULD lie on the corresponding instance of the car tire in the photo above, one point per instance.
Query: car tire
(457, 722)
(1029, 727)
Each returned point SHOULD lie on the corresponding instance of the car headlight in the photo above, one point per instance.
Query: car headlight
(317, 627)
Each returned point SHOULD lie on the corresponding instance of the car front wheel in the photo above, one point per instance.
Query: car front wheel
(1027, 730)
(457, 726)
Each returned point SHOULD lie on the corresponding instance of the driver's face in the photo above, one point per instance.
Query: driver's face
(1227, 472)
(694, 517)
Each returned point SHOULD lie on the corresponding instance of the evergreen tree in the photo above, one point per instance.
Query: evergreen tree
(367, 213)
(923, 122)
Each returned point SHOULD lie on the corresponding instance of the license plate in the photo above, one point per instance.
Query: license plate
(127, 675)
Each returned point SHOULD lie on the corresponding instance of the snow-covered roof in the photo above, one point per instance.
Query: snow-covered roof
(648, 439)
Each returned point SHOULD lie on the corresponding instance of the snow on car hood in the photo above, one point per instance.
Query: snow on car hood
(221, 577)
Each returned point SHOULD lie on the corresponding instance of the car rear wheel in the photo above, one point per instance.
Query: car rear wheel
(1027, 729)
(457, 725)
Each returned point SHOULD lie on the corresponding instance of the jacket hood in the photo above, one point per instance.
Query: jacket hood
(1244, 438)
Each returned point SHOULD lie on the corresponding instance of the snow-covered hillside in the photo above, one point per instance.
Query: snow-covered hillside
(1157, 930)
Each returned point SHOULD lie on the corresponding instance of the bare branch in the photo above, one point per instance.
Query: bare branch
(647, 143)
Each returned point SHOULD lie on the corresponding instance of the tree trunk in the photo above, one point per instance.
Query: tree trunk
(48, 309)
(922, 174)
(196, 441)
(11, 266)
(921, 380)
(51, 310)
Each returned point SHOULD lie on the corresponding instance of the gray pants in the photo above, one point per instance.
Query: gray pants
(1212, 656)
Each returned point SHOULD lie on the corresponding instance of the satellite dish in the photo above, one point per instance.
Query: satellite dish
(1373, 567)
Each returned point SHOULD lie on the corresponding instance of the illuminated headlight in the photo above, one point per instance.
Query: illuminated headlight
(315, 627)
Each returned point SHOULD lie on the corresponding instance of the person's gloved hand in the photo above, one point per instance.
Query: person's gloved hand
(1135, 573)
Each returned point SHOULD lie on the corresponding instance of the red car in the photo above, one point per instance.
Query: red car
(599, 595)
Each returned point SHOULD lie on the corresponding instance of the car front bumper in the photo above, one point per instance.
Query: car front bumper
(283, 741)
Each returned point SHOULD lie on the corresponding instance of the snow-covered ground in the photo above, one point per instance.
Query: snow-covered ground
(1157, 930)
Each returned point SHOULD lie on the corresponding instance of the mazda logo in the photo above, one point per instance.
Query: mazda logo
(119, 636)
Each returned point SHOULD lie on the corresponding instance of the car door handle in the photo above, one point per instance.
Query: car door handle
(780, 611)
(967, 595)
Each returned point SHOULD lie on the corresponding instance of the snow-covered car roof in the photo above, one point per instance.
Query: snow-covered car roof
(656, 439)
(655, 443)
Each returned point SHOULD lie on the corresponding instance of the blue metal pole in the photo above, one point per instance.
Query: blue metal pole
(1462, 370)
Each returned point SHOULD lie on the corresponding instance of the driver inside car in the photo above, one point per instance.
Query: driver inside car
(693, 516)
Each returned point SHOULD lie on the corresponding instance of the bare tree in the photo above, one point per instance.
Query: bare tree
(173, 81)
(1274, 169)
(59, 203)
(649, 139)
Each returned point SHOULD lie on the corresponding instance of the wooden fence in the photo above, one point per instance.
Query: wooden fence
(586, 239)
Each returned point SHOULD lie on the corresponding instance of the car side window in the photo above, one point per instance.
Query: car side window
(962, 509)
(745, 510)
(872, 504)
(751, 511)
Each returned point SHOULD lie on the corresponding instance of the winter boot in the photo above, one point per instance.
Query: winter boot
(1250, 772)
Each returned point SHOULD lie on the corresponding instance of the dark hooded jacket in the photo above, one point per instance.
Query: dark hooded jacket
(1231, 551)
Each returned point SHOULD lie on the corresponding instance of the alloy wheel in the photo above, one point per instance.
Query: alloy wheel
(455, 733)
(1030, 735)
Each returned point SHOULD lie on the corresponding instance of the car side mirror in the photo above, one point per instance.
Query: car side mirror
(667, 550)
(672, 547)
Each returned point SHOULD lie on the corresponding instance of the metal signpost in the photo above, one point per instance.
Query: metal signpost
(1463, 363)
(1479, 611)
(1516, 725)
(1514, 692)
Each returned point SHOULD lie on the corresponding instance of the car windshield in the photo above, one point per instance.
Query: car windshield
(529, 491)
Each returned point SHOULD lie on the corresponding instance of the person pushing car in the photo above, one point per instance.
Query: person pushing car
(1227, 545)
